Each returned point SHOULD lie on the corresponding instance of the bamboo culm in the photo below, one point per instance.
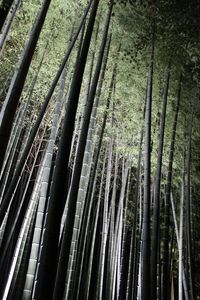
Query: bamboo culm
(166, 284)
(69, 223)
(47, 269)
(145, 263)
(156, 204)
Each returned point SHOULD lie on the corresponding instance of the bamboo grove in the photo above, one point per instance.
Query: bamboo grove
(99, 150)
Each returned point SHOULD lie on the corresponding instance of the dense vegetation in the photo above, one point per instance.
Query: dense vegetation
(99, 149)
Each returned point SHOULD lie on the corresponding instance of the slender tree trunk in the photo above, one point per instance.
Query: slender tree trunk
(125, 242)
(166, 267)
(156, 204)
(44, 184)
(87, 160)
(85, 291)
(178, 241)
(20, 203)
(105, 222)
(136, 229)
(17, 258)
(180, 247)
(188, 215)
(16, 292)
(47, 265)
(14, 222)
(145, 263)
(93, 174)
(22, 237)
(110, 271)
(73, 191)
